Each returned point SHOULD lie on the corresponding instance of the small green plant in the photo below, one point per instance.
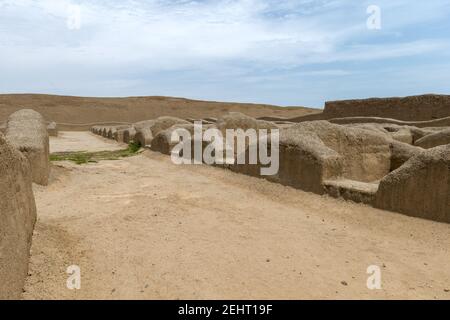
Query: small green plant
(134, 147)
(82, 157)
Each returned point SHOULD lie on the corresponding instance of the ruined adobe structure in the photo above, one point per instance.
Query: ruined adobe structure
(391, 166)
(17, 219)
(419, 188)
(26, 130)
(422, 111)
(415, 108)
(24, 159)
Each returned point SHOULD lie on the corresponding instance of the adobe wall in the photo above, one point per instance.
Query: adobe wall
(414, 108)
(419, 188)
(17, 219)
(27, 131)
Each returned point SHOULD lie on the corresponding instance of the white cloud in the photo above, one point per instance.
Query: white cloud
(177, 35)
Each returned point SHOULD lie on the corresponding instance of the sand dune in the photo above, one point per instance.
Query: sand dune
(80, 110)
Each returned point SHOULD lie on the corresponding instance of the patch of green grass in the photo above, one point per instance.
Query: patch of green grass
(134, 147)
(81, 157)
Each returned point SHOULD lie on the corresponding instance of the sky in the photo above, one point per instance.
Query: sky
(293, 52)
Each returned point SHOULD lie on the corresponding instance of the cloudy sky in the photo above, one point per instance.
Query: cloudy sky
(293, 52)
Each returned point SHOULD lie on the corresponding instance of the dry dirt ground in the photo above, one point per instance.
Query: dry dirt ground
(143, 228)
(68, 141)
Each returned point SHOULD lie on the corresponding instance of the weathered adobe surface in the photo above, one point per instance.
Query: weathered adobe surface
(129, 134)
(142, 131)
(349, 162)
(52, 129)
(163, 140)
(403, 134)
(147, 130)
(234, 120)
(420, 187)
(237, 120)
(330, 152)
(17, 219)
(441, 122)
(27, 132)
(414, 108)
(435, 139)
(119, 134)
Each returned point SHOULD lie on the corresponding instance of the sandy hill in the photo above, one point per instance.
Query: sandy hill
(67, 109)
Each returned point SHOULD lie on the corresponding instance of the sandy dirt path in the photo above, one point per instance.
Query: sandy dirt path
(143, 228)
(67, 141)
